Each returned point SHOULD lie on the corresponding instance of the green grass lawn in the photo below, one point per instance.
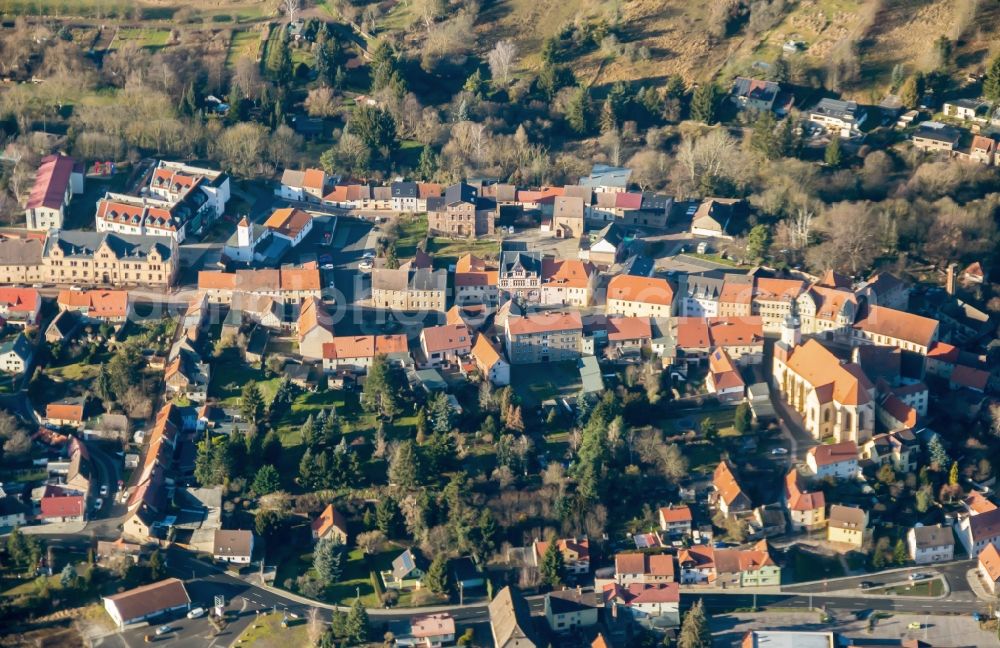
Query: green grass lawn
(411, 233)
(535, 383)
(923, 588)
(447, 251)
(357, 577)
(244, 43)
(229, 374)
(266, 632)
(151, 38)
(702, 456)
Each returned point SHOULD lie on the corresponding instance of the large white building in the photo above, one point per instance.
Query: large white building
(57, 179)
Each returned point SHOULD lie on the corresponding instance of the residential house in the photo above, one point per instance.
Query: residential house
(19, 306)
(520, 275)
(404, 196)
(889, 327)
(446, 343)
(736, 296)
(713, 216)
(289, 224)
(100, 305)
(607, 179)
(605, 247)
(510, 621)
(150, 216)
(675, 521)
(807, 510)
(68, 412)
(172, 181)
(697, 564)
(461, 213)
(742, 338)
(575, 551)
(429, 631)
(16, 354)
(235, 546)
(639, 297)
(774, 300)
(285, 285)
(936, 137)
(147, 602)
(835, 399)
(356, 352)
(930, 544)
(61, 504)
(983, 150)
(544, 337)
(58, 177)
(837, 460)
(568, 282)
(659, 601)
(964, 109)
(315, 328)
(698, 295)
(989, 568)
(842, 118)
(13, 512)
(405, 574)
(731, 497)
(724, 379)
(304, 186)
(568, 217)
(490, 361)
(569, 609)
(329, 524)
(627, 337)
(409, 289)
(847, 525)
(752, 567)
(754, 94)
(96, 258)
(827, 312)
(644, 568)
(977, 530)
(187, 375)
(899, 448)
(475, 281)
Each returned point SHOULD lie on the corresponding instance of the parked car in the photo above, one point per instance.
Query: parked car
(915, 625)
(98, 504)
(366, 264)
(368, 255)
(779, 451)
(919, 576)
(163, 629)
(196, 613)
(104, 490)
(867, 584)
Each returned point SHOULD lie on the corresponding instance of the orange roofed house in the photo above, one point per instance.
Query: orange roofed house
(308, 185)
(445, 343)
(633, 296)
(731, 497)
(835, 398)
(806, 509)
(290, 224)
(285, 285)
(104, 305)
(675, 520)
(568, 282)
(357, 352)
(544, 337)
(889, 327)
(644, 568)
(20, 306)
(490, 361)
(575, 551)
(315, 328)
(330, 524)
(475, 281)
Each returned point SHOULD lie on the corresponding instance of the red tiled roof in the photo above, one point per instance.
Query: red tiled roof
(328, 519)
(545, 323)
(450, 337)
(51, 181)
(827, 455)
(364, 346)
(989, 558)
(899, 325)
(64, 411)
(628, 200)
(726, 484)
(821, 369)
(61, 503)
(798, 499)
(647, 290)
(675, 514)
(19, 300)
(102, 304)
(567, 273)
(970, 377)
(629, 328)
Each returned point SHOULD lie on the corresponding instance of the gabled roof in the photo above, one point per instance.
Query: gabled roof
(19, 300)
(726, 484)
(510, 618)
(485, 353)
(567, 273)
(328, 519)
(985, 526)
(629, 328)
(989, 558)
(312, 314)
(533, 323)
(149, 599)
(847, 517)
(880, 320)
(450, 337)
(799, 499)
(844, 383)
(364, 346)
(234, 542)
(578, 547)
(403, 564)
(934, 535)
(642, 563)
(51, 181)
(647, 290)
(675, 513)
(827, 455)
(288, 221)
(100, 304)
(970, 377)
(66, 410)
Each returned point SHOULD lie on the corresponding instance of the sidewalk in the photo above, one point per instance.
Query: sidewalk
(976, 585)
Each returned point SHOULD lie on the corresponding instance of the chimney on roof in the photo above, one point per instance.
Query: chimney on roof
(950, 279)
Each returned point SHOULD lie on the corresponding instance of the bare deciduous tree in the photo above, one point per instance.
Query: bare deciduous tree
(291, 7)
(501, 59)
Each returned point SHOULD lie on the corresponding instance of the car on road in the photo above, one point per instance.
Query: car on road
(368, 255)
(98, 504)
(915, 625)
(779, 451)
(196, 613)
(976, 616)
(366, 264)
(104, 490)
(868, 584)
(915, 576)
(327, 266)
(164, 629)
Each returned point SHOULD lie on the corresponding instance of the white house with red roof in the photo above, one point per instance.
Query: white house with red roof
(172, 181)
(58, 177)
(19, 306)
(675, 520)
(59, 504)
(661, 600)
(724, 379)
(837, 460)
(806, 509)
(575, 551)
(445, 343)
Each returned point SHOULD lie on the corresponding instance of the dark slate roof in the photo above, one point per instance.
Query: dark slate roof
(460, 192)
(404, 190)
(530, 261)
(403, 565)
(18, 345)
(427, 279)
(755, 89)
(654, 201)
(435, 203)
(938, 132)
(84, 244)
